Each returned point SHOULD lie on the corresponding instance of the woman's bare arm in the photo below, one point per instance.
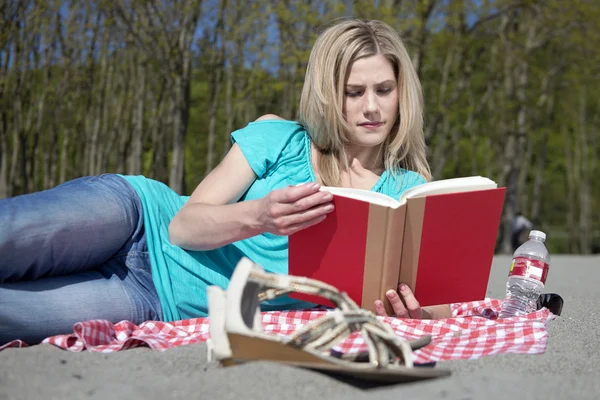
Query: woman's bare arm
(213, 217)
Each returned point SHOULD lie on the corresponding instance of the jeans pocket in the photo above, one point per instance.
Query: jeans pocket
(138, 260)
(140, 285)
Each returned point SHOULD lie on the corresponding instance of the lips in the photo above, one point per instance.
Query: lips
(371, 124)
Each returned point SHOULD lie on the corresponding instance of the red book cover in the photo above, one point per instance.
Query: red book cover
(449, 245)
(440, 245)
(333, 251)
(354, 249)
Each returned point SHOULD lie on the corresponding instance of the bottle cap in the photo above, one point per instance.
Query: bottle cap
(538, 234)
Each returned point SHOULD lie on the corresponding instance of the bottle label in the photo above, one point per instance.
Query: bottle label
(526, 267)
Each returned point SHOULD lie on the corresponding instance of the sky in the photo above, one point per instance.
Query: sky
(208, 20)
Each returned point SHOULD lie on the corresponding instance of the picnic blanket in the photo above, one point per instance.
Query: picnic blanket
(472, 332)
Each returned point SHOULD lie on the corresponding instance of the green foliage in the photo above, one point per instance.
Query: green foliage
(472, 59)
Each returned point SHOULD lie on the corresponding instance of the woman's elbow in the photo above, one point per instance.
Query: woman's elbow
(175, 236)
(180, 236)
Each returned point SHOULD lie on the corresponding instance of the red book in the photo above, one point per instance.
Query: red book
(439, 239)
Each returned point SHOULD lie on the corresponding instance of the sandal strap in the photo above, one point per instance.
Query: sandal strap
(322, 334)
(382, 343)
(280, 285)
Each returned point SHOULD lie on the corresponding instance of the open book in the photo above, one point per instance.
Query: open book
(438, 238)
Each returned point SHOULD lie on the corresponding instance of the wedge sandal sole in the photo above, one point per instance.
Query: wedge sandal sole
(245, 348)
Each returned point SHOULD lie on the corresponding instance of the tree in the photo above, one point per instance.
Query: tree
(167, 36)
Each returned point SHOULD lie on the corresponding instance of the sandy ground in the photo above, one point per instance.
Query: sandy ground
(570, 368)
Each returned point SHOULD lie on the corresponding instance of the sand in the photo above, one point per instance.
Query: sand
(569, 369)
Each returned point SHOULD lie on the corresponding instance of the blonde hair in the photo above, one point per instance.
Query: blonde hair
(322, 99)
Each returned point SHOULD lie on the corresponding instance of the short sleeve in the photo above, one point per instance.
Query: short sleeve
(411, 179)
(262, 142)
(398, 183)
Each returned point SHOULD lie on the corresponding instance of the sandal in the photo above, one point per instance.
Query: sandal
(236, 333)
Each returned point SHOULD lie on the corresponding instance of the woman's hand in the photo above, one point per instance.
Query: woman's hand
(403, 302)
(405, 305)
(288, 210)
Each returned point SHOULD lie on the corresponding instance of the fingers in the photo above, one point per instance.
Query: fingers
(295, 218)
(298, 198)
(403, 302)
(309, 202)
(293, 228)
(413, 308)
(298, 207)
(399, 310)
(380, 309)
(292, 194)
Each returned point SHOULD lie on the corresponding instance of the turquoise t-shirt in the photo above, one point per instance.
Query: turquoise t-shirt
(279, 153)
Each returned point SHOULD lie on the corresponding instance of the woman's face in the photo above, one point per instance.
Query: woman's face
(371, 100)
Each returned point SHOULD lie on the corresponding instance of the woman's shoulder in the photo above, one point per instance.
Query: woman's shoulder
(275, 129)
(268, 141)
(270, 133)
(270, 117)
(270, 127)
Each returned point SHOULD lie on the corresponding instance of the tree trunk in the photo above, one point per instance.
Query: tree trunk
(542, 154)
(115, 149)
(229, 114)
(26, 129)
(216, 65)
(514, 155)
(110, 99)
(36, 163)
(440, 153)
(182, 94)
(179, 129)
(4, 124)
(64, 154)
(538, 181)
(523, 179)
(424, 11)
(16, 125)
(124, 130)
(215, 86)
(97, 108)
(88, 148)
(137, 150)
(49, 159)
(157, 124)
(585, 201)
(3, 155)
(571, 183)
(510, 160)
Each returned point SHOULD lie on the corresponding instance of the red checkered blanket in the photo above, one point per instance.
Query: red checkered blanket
(473, 331)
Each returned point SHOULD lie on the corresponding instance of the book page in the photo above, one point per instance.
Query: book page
(363, 195)
(444, 186)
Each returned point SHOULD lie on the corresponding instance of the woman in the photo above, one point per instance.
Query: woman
(125, 247)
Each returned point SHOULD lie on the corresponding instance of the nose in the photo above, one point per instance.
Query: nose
(370, 105)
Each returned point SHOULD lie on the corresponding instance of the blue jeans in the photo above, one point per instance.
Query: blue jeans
(73, 253)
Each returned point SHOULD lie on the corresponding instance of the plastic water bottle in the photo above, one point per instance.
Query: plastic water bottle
(527, 276)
